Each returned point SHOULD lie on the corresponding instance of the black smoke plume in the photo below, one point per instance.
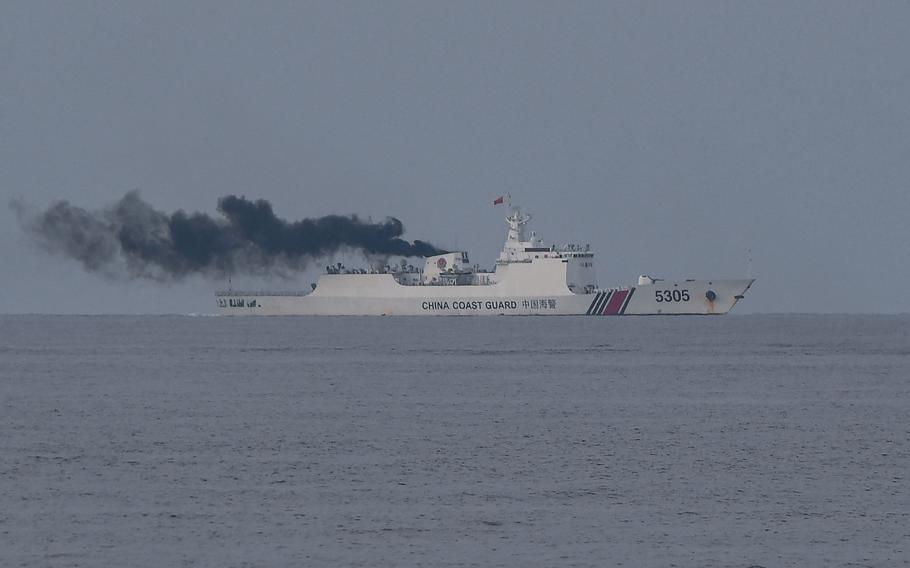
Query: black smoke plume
(247, 238)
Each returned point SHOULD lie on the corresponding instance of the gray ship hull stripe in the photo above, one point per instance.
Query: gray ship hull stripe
(598, 310)
(626, 303)
(594, 303)
(597, 298)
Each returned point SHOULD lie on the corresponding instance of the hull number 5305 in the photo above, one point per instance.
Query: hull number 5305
(671, 295)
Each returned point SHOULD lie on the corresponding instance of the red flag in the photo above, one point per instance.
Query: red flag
(498, 200)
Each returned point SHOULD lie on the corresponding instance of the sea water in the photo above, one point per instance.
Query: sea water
(523, 441)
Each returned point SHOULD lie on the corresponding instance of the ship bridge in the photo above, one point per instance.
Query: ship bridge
(519, 248)
(525, 265)
(522, 248)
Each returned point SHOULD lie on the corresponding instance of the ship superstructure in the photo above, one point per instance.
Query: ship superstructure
(529, 278)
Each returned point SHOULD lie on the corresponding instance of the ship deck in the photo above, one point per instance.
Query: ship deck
(260, 293)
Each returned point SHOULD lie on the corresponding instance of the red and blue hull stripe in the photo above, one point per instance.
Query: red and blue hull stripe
(610, 303)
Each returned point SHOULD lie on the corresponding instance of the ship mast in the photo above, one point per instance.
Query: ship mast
(517, 241)
(517, 221)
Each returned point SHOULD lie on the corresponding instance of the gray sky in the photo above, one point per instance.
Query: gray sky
(672, 136)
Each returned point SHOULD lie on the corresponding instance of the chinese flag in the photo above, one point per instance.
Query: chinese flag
(498, 200)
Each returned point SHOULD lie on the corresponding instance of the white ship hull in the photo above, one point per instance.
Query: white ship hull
(529, 279)
(663, 298)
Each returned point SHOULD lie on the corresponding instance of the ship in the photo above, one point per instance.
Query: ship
(529, 279)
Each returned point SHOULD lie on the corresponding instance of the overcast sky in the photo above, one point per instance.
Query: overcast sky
(672, 136)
